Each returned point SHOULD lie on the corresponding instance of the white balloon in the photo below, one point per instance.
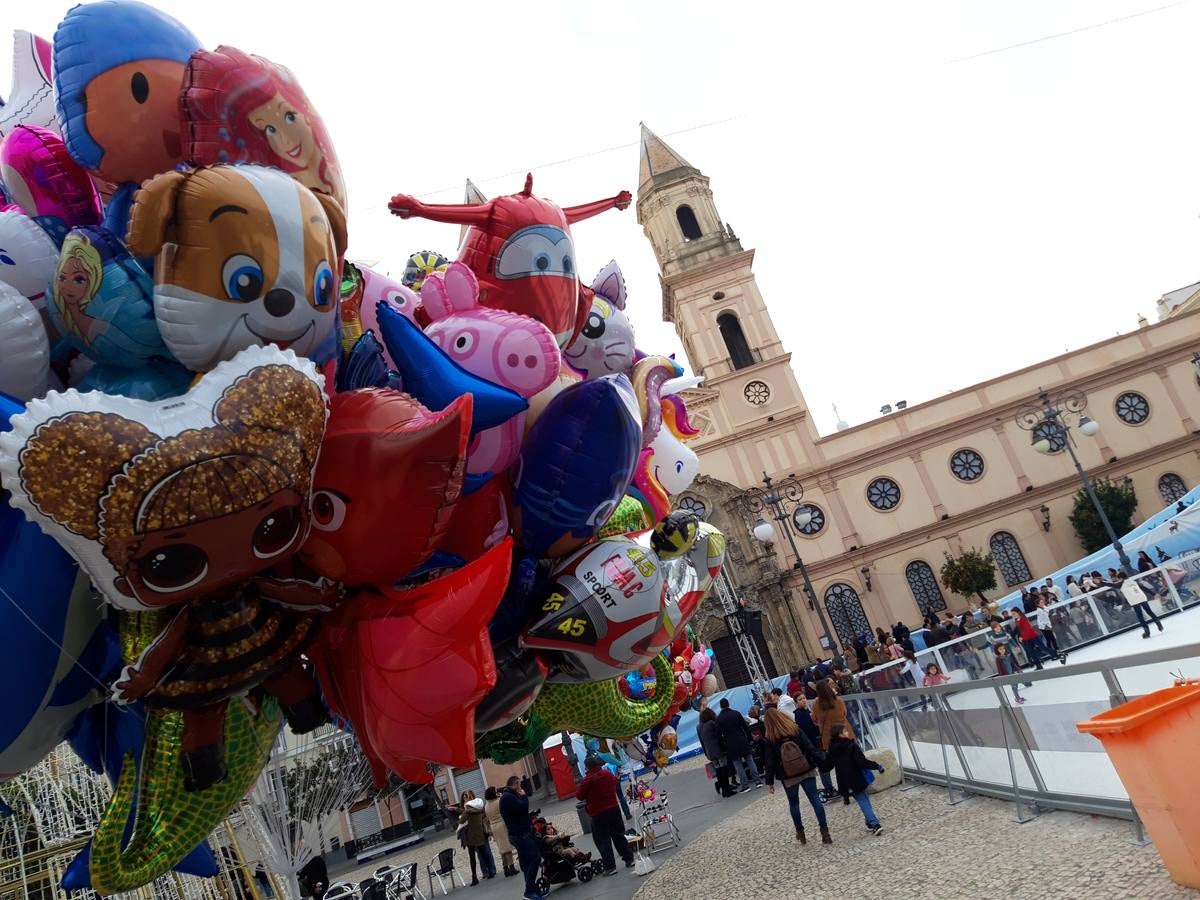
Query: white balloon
(31, 98)
(24, 346)
(27, 255)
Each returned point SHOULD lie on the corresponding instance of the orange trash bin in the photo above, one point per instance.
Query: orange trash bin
(1152, 743)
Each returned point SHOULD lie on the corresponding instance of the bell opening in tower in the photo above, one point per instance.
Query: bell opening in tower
(687, 223)
(735, 340)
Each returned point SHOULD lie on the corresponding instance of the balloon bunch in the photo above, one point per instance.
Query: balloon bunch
(429, 510)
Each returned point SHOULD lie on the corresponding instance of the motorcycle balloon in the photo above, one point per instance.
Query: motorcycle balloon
(602, 611)
(575, 464)
(239, 108)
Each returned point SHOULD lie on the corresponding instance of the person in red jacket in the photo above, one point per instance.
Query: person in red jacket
(598, 791)
(1031, 639)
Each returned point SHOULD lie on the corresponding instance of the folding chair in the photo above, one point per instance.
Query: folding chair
(341, 890)
(443, 866)
(405, 884)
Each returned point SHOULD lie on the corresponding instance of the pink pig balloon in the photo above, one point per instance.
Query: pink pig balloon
(378, 287)
(506, 348)
(700, 664)
(46, 183)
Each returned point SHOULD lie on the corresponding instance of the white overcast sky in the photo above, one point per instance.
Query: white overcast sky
(922, 220)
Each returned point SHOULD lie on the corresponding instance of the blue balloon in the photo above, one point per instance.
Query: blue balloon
(576, 464)
(435, 380)
(56, 654)
(98, 82)
(101, 300)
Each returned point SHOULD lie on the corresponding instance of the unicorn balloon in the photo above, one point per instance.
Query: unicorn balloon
(667, 467)
(605, 345)
(508, 349)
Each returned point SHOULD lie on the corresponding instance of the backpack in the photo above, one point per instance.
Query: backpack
(792, 760)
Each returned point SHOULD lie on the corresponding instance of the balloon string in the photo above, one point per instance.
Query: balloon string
(63, 650)
(561, 162)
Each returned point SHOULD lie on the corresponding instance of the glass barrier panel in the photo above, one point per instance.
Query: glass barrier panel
(984, 730)
(1136, 681)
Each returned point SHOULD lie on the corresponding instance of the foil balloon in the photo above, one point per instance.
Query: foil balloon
(250, 256)
(386, 486)
(520, 679)
(708, 685)
(667, 467)
(433, 378)
(24, 347)
(102, 303)
(118, 73)
(601, 612)
(699, 664)
(599, 709)
(27, 255)
(420, 265)
(46, 183)
(605, 345)
(507, 349)
(627, 518)
(31, 97)
(520, 249)
(407, 667)
(181, 505)
(363, 289)
(239, 108)
(575, 465)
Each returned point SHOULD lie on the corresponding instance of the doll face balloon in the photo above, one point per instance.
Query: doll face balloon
(243, 108)
(162, 503)
(252, 262)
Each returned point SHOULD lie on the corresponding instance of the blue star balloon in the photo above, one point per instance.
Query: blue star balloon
(435, 380)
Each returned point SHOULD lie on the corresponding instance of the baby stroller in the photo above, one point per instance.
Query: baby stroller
(561, 859)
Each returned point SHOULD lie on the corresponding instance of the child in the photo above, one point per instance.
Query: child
(846, 758)
(1006, 665)
(933, 675)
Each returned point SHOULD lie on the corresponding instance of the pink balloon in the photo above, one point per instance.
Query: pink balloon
(700, 664)
(378, 287)
(46, 183)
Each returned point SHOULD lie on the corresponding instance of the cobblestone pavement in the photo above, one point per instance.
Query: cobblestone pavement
(927, 850)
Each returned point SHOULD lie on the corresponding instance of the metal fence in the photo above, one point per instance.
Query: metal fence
(977, 737)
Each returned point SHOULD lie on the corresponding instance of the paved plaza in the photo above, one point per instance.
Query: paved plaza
(743, 848)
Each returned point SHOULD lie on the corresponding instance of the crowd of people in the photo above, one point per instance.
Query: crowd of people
(797, 736)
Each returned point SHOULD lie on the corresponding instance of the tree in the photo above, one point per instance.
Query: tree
(1118, 501)
(970, 573)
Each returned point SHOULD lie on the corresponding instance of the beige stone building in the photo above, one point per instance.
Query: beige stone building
(891, 497)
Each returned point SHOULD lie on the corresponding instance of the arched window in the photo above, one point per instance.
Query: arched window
(687, 223)
(1009, 559)
(846, 612)
(735, 340)
(924, 587)
(1171, 487)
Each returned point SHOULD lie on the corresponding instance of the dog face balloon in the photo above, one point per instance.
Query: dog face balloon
(249, 256)
(165, 502)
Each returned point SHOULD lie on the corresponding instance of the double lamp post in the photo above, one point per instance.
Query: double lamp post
(782, 501)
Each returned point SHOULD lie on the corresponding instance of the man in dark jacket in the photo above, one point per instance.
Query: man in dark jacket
(900, 631)
(735, 733)
(514, 810)
(598, 791)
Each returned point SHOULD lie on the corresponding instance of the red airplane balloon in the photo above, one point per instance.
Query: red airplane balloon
(520, 248)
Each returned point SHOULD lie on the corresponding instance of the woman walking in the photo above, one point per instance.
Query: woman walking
(792, 758)
(475, 837)
(828, 711)
(850, 762)
(491, 808)
(709, 736)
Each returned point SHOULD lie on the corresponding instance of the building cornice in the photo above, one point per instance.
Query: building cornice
(992, 511)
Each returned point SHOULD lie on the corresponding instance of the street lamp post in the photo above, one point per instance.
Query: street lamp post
(783, 500)
(1053, 421)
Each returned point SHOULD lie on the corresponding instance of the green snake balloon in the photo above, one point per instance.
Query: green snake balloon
(598, 709)
(168, 820)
